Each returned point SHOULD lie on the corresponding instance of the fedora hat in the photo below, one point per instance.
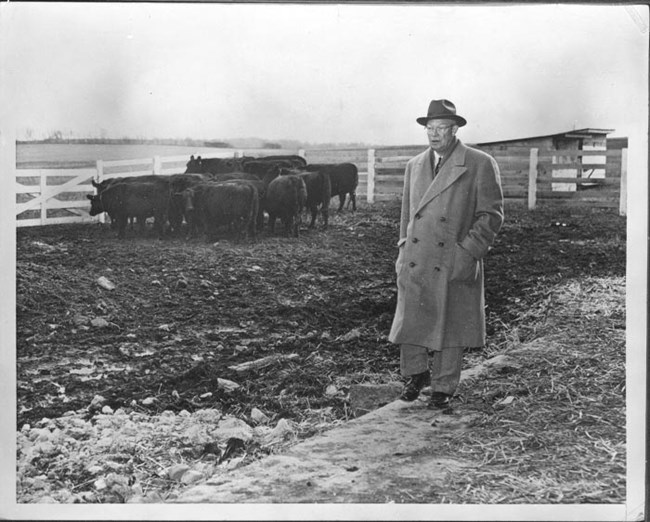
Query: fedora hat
(442, 110)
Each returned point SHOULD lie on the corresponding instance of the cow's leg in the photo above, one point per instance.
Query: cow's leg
(260, 218)
(341, 201)
(289, 225)
(142, 221)
(252, 218)
(159, 224)
(121, 226)
(314, 212)
(325, 212)
(175, 218)
(191, 226)
(252, 226)
(241, 224)
(353, 200)
(213, 231)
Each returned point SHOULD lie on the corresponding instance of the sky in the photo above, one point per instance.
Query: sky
(321, 72)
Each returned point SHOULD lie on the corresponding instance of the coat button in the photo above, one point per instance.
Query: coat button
(415, 240)
(443, 218)
(411, 264)
(417, 216)
(441, 244)
(436, 268)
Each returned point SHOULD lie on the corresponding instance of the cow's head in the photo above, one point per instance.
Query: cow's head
(102, 185)
(194, 165)
(96, 206)
(187, 198)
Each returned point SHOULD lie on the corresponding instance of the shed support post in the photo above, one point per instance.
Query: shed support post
(157, 165)
(532, 179)
(370, 187)
(622, 207)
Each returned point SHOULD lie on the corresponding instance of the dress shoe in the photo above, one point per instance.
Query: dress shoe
(413, 385)
(440, 400)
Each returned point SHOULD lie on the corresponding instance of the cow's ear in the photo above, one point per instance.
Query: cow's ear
(89, 197)
(95, 184)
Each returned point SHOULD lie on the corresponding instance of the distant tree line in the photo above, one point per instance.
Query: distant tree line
(59, 137)
(131, 141)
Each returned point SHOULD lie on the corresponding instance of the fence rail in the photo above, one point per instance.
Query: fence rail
(529, 175)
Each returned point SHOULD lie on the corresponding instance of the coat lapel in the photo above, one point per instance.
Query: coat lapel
(450, 171)
(423, 175)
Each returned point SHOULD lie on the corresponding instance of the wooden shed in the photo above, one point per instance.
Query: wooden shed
(589, 139)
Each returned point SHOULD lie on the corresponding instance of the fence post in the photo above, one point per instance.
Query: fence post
(100, 171)
(100, 177)
(532, 179)
(622, 207)
(8, 166)
(370, 186)
(157, 165)
(43, 178)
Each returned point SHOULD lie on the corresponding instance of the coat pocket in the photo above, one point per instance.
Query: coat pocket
(465, 267)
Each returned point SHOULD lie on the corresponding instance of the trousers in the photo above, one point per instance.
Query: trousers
(446, 365)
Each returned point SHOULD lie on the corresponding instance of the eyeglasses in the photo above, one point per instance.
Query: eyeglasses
(437, 129)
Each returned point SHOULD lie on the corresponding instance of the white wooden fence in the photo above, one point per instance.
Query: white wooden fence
(56, 196)
(558, 178)
(52, 196)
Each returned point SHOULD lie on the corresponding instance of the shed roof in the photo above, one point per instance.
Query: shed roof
(575, 133)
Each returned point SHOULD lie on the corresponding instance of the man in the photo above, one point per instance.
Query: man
(452, 209)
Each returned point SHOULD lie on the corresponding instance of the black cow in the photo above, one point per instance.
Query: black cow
(178, 183)
(261, 186)
(285, 198)
(344, 178)
(262, 168)
(163, 181)
(142, 200)
(318, 192)
(154, 178)
(200, 165)
(212, 205)
(234, 175)
(287, 160)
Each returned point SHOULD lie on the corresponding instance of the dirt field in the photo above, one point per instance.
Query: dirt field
(183, 314)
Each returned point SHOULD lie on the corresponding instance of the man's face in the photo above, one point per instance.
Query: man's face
(441, 134)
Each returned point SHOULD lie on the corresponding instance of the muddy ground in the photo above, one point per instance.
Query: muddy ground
(183, 314)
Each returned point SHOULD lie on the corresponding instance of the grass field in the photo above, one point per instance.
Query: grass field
(85, 155)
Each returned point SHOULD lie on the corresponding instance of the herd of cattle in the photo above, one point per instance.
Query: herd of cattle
(232, 192)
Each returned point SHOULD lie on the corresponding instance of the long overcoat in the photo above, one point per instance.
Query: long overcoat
(447, 226)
